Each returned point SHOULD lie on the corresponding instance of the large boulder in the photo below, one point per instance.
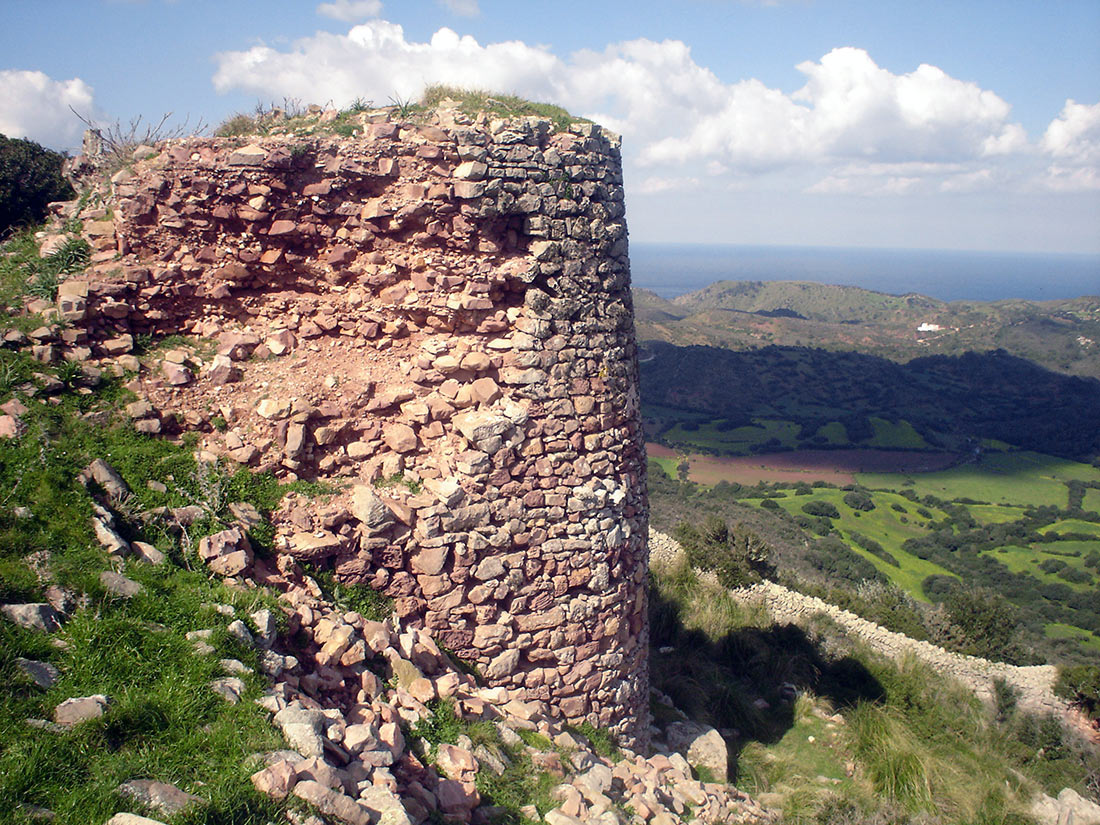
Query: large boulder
(701, 745)
(40, 617)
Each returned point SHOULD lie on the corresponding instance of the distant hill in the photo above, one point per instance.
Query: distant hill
(1062, 335)
(950, 401)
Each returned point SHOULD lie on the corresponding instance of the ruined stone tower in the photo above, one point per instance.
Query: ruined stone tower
(436, 319)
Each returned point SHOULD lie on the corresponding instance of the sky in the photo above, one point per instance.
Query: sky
(961, 124)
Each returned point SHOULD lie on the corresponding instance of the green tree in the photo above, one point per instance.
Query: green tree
(30, 178)
(1081, 685)
(822, 509)
(859, 500)
(737, 555)
(988, 621)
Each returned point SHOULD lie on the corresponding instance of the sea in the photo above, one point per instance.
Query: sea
(674, 269)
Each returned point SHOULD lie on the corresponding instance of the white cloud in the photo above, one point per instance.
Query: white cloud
(657, 183)
(1073, 141)
(1075, 134)
(33, 105)
(463, 8)
(907, 177)
(351, 11)
(848, 108)
(680, 121)
(375, 61)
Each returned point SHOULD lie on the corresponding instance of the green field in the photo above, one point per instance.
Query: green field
(1008, 485)
(1091, 501)
(884, 525)
(739, 440)
(1071, 525)
(998, 513)
(1022, 478)
(1057, 630)
(1028, 560)
(833, 433)
(889, 435)
(668, 465)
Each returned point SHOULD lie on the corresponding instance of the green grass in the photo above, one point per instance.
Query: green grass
(667, 465)
(834, 433)
(164, 721)
(1057, 630)
(473, 101)
(1091, 501)
(709, 436)
(1072, 525)
(923, 748)
(995, 513)
(1028, 560)
(1019, 478)
(889, 435)
(884, 525)
(520, 784)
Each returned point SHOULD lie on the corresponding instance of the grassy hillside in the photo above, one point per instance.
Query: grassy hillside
(1034, 546)
(164, 721)
(1063, 336)
(832, 734)
(854, 399)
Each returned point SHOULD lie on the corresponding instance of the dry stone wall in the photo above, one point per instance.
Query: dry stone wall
(439, 316)
(1034, 684)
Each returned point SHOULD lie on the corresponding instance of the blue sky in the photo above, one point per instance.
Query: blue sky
(963, 125)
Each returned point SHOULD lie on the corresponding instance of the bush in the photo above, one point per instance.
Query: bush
(738, 556)
(30, 178)
(859, 500)
(988, 621)
(1081, 685)
(822, 509)
(1074, 576)
(1051, 565)
(236, 126)
(873, 547)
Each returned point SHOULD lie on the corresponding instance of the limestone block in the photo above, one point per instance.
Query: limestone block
(73, 711)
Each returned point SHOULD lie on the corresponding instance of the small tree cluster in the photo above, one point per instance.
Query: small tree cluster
(30, 178)
(859, 500)
(737, 555)
(1081, 685)
(822, 509)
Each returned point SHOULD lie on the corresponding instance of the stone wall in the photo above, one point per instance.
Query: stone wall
(1035, 684)
(437, 317)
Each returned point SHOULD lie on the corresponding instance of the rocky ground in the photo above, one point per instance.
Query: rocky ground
(358, 700)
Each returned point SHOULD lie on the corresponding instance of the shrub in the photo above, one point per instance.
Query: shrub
(873, 547)
(859, 500)
(30, 177)
(888, 605)
(1081, 685)
(988, 621)
(738, 556)
(1051, 565)
(239, 124)
(822, 509)
(1074, 576)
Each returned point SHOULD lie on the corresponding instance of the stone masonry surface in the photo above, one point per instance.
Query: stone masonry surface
(438, 319)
